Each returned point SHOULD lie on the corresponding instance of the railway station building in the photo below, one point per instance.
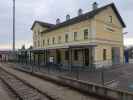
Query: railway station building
(90, 39)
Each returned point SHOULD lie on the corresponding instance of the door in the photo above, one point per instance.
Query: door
(115, 55)
(38, 59)
(58, 57)
(86, 57)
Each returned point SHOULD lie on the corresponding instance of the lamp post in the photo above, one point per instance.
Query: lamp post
(13, 55)
(13, 26)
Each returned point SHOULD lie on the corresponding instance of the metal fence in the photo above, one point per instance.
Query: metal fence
(87, 73)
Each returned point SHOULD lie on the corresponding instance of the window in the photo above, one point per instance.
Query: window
(35, 35)
(66, 55)
(43, 42)
(104, 54)
(75, 54)
(38, 32)
(35, 44)
(59, 39)
(48, 41)
(75, 36)
(38, 43)
(110, 19)
(85, 34)
(53, 40)
(66, 38)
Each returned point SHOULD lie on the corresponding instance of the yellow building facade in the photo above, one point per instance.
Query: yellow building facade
(91, 39)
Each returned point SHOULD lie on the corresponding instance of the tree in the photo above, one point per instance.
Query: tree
(23, 47)
(30, 47)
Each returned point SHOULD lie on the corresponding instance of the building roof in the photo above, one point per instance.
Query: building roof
(86, 16)
(5, 51)
(43, 24)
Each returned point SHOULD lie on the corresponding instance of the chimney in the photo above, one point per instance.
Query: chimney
(80, 11)
(67, 17)
(94, 6)
(58, 21)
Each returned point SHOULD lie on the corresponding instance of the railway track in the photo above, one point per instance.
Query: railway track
(52, 88)
(21, 89)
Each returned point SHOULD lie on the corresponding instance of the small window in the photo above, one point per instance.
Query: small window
(48, 41)
(85, 34)
(66, 55)
(66, 38)
(53, 40)
(110, 19)
(75, 36)
(75, 54)
(104, 54)
(59, 39)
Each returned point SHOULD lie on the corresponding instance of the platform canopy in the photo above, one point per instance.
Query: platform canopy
(79, 46)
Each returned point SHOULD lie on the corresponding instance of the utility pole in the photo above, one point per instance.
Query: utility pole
(13, 48)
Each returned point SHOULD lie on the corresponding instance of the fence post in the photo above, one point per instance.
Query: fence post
(102, 76)
(77, 70)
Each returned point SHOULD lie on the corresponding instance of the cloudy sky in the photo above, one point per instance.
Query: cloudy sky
(49, 10)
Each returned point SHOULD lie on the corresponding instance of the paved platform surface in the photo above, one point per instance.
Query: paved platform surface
(60, 92)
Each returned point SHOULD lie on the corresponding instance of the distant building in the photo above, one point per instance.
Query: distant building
(4, 55)
(130, 52)
(129, 55)
(94, 38)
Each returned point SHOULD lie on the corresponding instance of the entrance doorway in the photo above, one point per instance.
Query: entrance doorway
(88, 57)
(58, 57)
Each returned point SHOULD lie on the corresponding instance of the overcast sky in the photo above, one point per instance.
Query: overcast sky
(48, 11)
